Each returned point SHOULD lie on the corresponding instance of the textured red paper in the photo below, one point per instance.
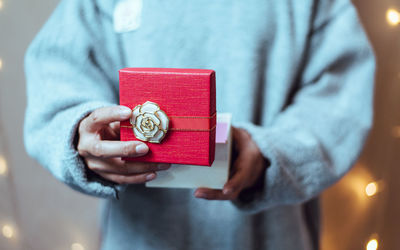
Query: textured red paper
(182, 94)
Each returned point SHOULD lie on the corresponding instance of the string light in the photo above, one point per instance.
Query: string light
(371, 189)
(7, 231)
(3, 165)
(372, 244)
(393, 17)
(77, 246)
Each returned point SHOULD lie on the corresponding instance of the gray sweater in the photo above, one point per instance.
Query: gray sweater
(297, 75)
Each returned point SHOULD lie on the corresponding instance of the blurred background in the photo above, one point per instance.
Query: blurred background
(37, 212)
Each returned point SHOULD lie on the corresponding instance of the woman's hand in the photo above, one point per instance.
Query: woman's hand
(246, 171)
(101, 149)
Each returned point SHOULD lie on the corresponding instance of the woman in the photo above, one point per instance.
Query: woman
(297, 77)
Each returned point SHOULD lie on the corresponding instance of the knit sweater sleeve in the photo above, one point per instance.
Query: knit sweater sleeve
(67, 70)
(319, 136)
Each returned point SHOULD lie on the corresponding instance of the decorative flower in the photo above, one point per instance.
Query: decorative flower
(149, 122)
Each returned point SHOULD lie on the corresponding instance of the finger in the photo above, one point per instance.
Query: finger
(105, 116)
(246, 173)
(107, 133)
(235, 133)
(236, 136)
(243, 174)
(129, 179)
(240, 176)
(236, 183)
(213, 194)
(240, 137)
(109, 149)
(118, 166)
(115, 126)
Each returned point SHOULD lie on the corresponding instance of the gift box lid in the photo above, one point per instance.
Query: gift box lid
(186, 97)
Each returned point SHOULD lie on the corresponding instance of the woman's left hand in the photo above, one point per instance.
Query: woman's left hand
(246, 171)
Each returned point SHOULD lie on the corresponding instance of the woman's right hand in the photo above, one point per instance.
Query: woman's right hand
(101, 149)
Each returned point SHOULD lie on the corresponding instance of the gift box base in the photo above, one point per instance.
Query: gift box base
(193, 176)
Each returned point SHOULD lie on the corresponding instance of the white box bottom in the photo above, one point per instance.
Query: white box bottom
(192, 176)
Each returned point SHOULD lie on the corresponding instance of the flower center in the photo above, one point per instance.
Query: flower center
(147, 124)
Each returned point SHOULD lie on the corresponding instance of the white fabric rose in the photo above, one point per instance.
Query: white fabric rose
(149, 122)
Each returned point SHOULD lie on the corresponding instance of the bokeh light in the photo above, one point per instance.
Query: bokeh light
(3, 165)
(393, 17)
(371, 189)
(7, 231)
(372, 244)
(77, 246)
(396, 130)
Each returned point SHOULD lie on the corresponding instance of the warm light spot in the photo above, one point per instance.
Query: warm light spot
(396, 132)
(77, 246)
(1, 61)
(393, 17)
(7, 231)
(372, 245)
(1, 4)
(3, 165)
(371, 189)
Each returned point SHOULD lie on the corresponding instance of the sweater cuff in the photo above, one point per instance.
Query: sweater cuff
(76, 174)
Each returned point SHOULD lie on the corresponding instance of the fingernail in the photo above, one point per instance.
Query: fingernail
(142, 148)
(227, 191)
(150, 177)
(200, 195)
(125, 111)
(163, 166)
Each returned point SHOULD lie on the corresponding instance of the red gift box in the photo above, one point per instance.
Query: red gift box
(185, 97)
